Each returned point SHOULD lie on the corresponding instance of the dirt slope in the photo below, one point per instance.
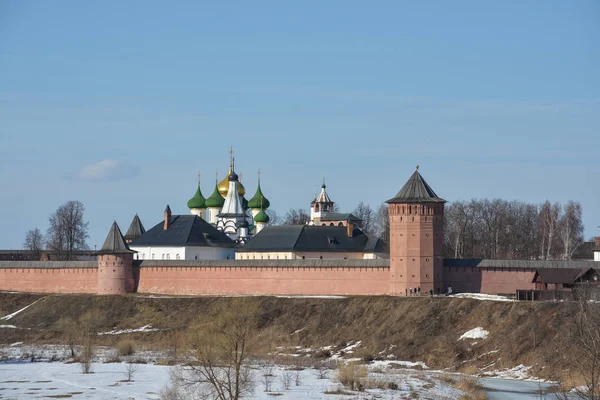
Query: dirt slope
(417, 329)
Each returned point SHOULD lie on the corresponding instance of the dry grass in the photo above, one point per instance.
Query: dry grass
(468, 370)
(126, 347)
(470, 388)
(408, 328)
(352, 375)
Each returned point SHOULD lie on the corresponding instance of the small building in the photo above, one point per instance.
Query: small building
(294, 242)
(563, 278)
(183, 237)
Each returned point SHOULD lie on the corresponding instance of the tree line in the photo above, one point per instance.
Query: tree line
(67, 233)
(512, 230)
(493, 229)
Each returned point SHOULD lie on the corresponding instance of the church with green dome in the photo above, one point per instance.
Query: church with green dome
(227, 208)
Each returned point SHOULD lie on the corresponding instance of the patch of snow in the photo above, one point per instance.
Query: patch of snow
(482, 296)
(8, 326)
(16, 344)
(146, 328)
(382, 364)
(475, 333)
(296, 332)
(9, 316)
(518, 372)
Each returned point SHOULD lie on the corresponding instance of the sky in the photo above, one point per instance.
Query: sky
(120, 104)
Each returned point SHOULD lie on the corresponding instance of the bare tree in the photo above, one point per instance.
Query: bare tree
(582, 341)
(571, 229)
(88, 325)
(130, 371)
(218, 355)
(34, 241)
(382, 225)
(274, 219)
(458, 221)
(296, 217)
(287, 377)
(68, 231)
(549, 218)
(367, 216)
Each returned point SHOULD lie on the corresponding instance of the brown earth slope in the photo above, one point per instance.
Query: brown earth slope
(416, 329)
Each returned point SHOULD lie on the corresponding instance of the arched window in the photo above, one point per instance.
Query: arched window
(341, 224)
(331, 224)
(317, 207)
(153, 256)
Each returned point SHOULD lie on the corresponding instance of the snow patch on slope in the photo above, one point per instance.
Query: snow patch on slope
(475, 333)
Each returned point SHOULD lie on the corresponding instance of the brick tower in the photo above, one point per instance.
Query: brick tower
(416, 238)
(115, 264)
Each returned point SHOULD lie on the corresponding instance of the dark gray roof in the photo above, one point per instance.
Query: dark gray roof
(136, 229)
(561, 275)
(308, 238)
(416, 190)
(114, 242)
(528, 264)
(185, 230)
(333, 216)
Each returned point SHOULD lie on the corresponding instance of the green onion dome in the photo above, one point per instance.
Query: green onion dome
(215, 199)
(259, 200)
(261, 217)
(198, 201)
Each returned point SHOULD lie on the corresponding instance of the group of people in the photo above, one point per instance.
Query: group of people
(415, 292)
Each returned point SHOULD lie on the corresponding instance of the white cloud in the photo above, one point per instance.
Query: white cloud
(107, 170)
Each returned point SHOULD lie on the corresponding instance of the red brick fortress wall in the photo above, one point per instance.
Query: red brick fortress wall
(264, 277)
(49, 276)
(489, 280)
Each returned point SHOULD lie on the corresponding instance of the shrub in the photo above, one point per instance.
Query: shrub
(126, 347)
(352, 376)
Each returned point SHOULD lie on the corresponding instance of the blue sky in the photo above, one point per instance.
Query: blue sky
(119, 104)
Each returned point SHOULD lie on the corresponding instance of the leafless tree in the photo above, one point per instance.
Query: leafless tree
(287, 377)
(218, 356)
(34, 241)
(582, 341)
(88, 325)
(571, 229)
(367, 216)
(296, 217)
(68, 231)
(130, 371)
(274, 219)
(458, 221)
(382, 225)
(549, 223)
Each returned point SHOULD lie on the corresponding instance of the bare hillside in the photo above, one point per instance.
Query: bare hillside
(413, 329)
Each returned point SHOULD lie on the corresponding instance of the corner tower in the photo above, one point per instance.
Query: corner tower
(416, 238)
(115, 264)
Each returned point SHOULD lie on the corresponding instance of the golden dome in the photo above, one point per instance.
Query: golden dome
(224, 186)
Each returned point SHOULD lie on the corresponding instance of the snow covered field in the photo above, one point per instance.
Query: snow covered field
(28, 380)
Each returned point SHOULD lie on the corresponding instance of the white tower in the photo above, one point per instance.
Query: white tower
(320, 206)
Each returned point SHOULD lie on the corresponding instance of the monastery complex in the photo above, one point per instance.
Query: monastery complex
(225, 246)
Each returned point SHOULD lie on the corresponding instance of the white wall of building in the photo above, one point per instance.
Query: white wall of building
(597, 256)
(183, 253)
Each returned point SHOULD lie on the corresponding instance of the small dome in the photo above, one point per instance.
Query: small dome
(198, 201)
(215, 199)
(243, 224)
(224, 186)
(232, 177)
(259, 200)
(261, 217)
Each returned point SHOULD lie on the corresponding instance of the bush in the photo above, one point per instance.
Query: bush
(352, 376)
(126, 347)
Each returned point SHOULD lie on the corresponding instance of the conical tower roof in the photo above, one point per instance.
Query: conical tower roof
(136, 229)
(215, 199)
(198, 201)
(114, 243)
(416, 190)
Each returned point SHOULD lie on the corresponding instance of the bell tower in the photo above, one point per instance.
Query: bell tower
(416, 238)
